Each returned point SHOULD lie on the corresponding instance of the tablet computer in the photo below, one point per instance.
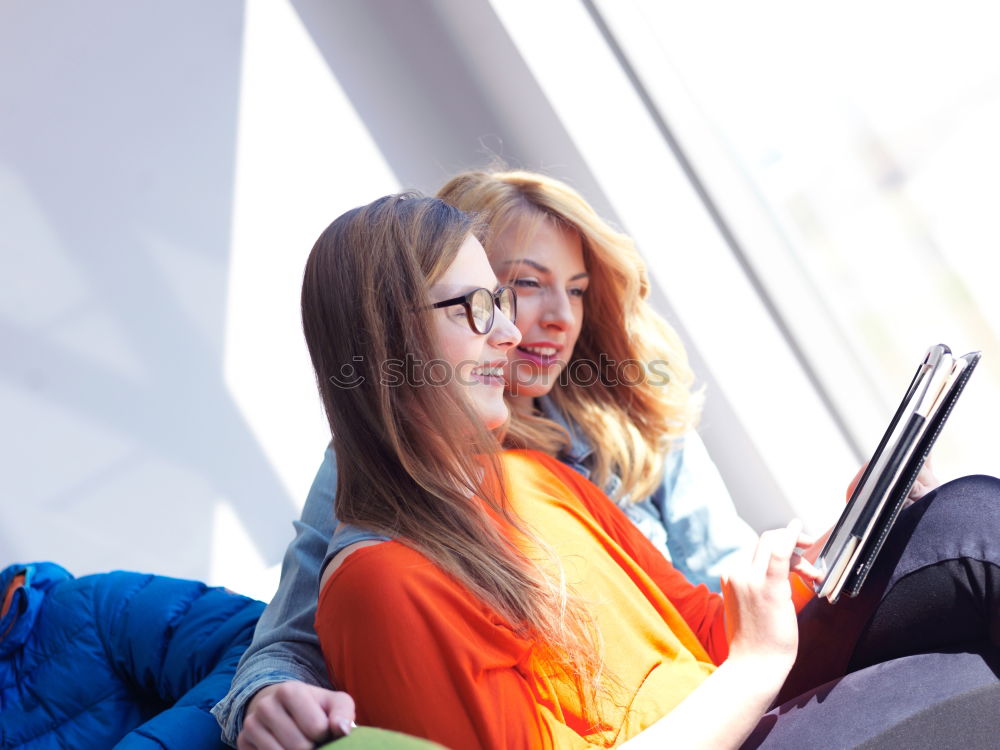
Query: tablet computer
(885, 484)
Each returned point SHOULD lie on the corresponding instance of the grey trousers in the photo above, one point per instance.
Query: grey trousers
(913, 661)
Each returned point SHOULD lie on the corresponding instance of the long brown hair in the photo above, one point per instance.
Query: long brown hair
(629, 424)
(404, 464)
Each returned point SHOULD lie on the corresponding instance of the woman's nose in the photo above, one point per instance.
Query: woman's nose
(504, 334)
(558, 311)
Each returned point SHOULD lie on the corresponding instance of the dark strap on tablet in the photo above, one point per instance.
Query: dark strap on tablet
(905, 482)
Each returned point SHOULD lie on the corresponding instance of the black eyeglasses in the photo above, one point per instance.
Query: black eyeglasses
(481, 304)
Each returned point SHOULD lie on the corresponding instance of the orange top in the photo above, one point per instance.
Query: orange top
(422, 655)
(16, 583)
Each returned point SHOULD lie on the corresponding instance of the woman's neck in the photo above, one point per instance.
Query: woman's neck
(523, 405)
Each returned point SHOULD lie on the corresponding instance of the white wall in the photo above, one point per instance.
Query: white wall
(161, 183)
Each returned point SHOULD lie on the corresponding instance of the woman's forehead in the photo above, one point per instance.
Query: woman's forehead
(470, 269)
(549, 247)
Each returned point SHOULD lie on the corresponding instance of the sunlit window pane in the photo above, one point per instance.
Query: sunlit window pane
(868, 130)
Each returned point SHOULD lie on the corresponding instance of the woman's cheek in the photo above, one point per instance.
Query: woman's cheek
(465, 374)
(527, 313)
(454, 348)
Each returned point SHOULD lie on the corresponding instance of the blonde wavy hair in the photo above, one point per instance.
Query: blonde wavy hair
(629, 424)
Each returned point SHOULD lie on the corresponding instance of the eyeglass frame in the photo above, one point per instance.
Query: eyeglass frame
(465, 301)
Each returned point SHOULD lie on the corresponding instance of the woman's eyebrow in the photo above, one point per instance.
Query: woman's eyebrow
(528, 262)
(539, 267)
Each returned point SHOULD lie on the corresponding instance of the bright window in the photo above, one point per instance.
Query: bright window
(853, 151)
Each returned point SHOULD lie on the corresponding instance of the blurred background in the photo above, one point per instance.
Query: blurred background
(815, 189)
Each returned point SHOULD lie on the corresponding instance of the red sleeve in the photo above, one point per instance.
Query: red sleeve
(701, 608)
(421, 655)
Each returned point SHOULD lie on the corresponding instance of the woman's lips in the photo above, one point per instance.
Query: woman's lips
(490, 374)
(541, 354)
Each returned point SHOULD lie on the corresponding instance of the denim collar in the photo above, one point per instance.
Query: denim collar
(579, 449)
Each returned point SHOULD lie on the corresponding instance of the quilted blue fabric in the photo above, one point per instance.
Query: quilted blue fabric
(116, 660)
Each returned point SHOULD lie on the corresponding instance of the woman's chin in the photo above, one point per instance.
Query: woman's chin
(494, 415)
(535, 388)
(498, 421)
(528, 380)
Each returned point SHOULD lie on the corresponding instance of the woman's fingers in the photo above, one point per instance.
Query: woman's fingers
(290, 715)
(925, 482)
(782, 546)
(805, 569)
(762, 555)
(775, 549)
(805, 541)
(857, 478)
(760, 616)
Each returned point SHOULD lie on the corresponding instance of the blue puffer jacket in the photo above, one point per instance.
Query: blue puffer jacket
(123, 660)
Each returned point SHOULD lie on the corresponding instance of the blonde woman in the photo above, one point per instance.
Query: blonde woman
(598, 362)
(599, 381)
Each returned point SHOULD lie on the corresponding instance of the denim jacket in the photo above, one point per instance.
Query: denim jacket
(690, 518)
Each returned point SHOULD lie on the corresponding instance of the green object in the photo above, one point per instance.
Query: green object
(369, 738)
